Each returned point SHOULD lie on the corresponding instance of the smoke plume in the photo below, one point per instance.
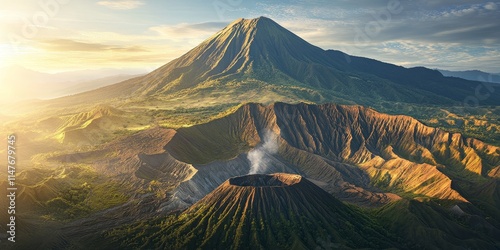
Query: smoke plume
(259, 156)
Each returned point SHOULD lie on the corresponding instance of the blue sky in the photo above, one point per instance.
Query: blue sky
(60, 35)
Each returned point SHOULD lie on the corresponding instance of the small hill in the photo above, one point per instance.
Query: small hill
(84, 127)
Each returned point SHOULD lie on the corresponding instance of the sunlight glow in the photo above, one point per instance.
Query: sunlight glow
(6, 55)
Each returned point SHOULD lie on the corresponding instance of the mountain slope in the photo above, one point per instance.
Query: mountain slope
(279, 211)
(429, 225)
(419, 78)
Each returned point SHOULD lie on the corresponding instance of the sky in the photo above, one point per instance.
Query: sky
(65, 35)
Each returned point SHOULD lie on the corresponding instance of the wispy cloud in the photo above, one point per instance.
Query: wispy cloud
(69, 54)
(121, 5)
(59, 45)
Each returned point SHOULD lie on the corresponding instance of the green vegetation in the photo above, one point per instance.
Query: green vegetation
(68, 193)
(106, 195)
(481, 122)
(186, 116)
(431, 224)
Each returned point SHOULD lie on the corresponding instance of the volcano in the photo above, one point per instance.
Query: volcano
(414, 175)
(257, 60)
(275, 211)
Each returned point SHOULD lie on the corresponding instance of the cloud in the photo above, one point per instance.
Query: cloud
(79, 55)
(121, 5)
(490, 6)
(60, 45)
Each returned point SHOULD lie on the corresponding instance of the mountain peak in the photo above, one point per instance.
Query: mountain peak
(265, 20)
(261, 19)
(243, 47)
(251, 26)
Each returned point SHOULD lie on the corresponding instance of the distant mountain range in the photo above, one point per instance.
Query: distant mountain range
(19, 83)
(473, 75)
(258, 60)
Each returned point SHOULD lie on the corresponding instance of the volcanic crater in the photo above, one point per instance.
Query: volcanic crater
(263, 180)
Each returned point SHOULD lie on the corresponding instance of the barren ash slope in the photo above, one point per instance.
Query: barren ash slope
(276, 211)
(326, 141)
